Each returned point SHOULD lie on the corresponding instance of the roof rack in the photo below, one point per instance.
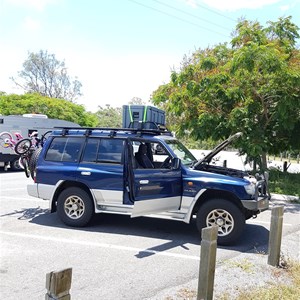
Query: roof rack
(113, 131)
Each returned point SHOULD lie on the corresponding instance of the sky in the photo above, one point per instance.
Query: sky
(121, 49)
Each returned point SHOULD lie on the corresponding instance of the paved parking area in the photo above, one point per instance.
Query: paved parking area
(114, 258)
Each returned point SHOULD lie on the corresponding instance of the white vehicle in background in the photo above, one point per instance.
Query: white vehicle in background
(24, 126)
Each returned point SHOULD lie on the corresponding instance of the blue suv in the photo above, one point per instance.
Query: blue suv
(143, 172)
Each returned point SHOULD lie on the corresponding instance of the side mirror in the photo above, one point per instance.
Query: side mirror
(175, 163)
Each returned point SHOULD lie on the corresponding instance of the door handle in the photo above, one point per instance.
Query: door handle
(85, 173)
(144, 181)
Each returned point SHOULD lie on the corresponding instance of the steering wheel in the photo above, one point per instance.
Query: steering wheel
(165, 163)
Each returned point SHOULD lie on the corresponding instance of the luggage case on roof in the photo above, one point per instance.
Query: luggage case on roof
(134, 114)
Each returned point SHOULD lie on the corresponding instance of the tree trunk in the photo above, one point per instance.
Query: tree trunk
(264, 163)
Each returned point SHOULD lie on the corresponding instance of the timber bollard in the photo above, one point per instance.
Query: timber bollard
(275, 236)
(58, 285)
(207, 263)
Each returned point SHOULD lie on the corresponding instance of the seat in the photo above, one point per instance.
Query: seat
(142, 159)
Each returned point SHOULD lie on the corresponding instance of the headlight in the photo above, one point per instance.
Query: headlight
(250, 188)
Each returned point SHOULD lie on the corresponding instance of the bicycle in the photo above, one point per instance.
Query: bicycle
(25, 148)
(29, 150)
(7, 140)
(20, 145)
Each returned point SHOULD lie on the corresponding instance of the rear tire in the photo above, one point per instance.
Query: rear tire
(75, 207)
(226, 215)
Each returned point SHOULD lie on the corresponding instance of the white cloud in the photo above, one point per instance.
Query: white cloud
(192, 3)
(38, 5)
(233, 5)
(31, 24)
(116, 80)
(11, 60)
(289, 5)
(285, 7)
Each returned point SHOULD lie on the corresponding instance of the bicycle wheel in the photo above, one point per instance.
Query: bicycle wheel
(23, 146)
(44, 137)
(24, 162)
(6, 139)
(5, 135)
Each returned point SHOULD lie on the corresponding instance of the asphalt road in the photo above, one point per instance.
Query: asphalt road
(114, 258)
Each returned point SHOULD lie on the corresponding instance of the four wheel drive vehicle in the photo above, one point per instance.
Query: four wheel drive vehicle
(139, 172)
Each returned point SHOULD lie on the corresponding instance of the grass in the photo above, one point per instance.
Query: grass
(244, 265)
(289, 160)
(275, 290)
(289, 270)
(284, 183)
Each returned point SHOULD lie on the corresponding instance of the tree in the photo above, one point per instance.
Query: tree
(54, 108)
(251, 87)
(136, 101)
(42, 73)
(109, 116)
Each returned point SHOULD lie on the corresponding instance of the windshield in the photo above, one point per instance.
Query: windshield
(186, 157)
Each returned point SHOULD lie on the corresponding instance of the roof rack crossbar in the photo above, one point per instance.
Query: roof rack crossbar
(113, 131)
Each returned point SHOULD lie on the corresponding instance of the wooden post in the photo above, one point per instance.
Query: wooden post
(58, 285)
(207, 263)
(275, 236)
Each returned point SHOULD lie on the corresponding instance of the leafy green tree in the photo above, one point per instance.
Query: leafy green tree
(252, 86)
(54, 108)
(109, 116)
(136, 101)
(42, 73)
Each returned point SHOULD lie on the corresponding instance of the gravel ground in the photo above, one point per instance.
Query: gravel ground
(248, 270)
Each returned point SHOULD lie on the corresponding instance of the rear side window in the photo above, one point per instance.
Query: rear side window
(103, 151)
(64, 149)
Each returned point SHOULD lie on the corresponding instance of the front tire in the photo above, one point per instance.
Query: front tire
(226, 215)
(75, 207)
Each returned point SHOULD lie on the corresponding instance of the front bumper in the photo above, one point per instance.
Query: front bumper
(260, 204)
(261, 197)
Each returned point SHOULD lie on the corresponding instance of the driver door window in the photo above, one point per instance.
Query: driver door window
(150, 155)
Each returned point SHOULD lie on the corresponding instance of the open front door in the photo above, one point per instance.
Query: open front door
(157, 189)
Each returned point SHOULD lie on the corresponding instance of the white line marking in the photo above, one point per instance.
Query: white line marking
(100, 245)
(265, 222)
(12, 189)
(23, 199)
